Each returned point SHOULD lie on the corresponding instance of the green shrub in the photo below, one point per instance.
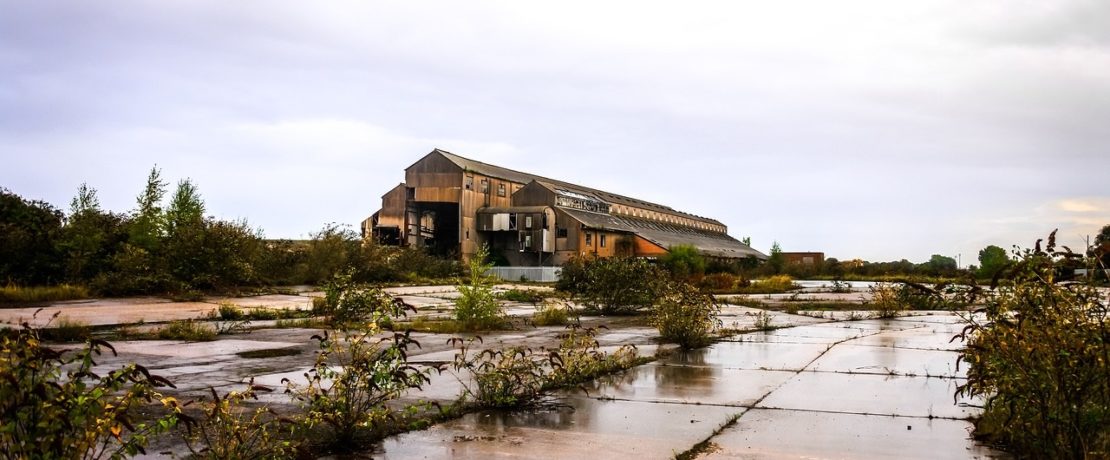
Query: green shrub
(718, 282)
(502, 379)
(20, 294)
(579, 359)
(686, 316)
(521, 295)
(1038, 356)
(353, 379)
(887, 300)
(614, 285)
(683, 261)
(477, 307)
(187, 330)
(55, 407)
(347, 303)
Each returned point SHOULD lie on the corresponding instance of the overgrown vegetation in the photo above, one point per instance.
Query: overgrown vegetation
(1039, 354)
(886, 300)
(551, 314)
(167, 246)
(54, 406)
(187, 330)
(686, 316)
(21, 294)
(228, 430)
(348, 303)
(354, 376)
(613, 285)
(518, 377)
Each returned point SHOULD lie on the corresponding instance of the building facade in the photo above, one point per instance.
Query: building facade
(453, 205)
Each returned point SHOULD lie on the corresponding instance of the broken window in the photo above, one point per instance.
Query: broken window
(485, 186)
(528, 222)
(589, 238)
(469, 182)
(501, 189)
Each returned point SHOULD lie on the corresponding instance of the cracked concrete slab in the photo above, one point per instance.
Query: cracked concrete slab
(586, 428)
(774, 434)
(870, 394)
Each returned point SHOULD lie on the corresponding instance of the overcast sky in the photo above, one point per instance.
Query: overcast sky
(878, 130)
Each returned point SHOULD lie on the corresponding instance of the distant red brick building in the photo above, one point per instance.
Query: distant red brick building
(804, 258)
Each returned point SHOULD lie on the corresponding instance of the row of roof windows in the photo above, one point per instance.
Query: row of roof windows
(621, 210)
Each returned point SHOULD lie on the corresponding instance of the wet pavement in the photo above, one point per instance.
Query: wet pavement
(855, 389)
(811, 388)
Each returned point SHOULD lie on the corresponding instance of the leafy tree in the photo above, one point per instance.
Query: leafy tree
(939, 265)
(90, 237)
(613, 285)
(149, 220)
(777, 262)
(186, 208)
(85, 201)
(991, 259)
(28, 236)
(1101, 247)
(684, 261)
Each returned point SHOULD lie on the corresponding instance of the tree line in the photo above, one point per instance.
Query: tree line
(167, 244)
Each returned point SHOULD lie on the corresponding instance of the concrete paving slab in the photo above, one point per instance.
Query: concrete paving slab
(588, 428)
(774, 434)
(925, 338)
(870, 395)
(848, 358)
(750, 355)
(657, 382)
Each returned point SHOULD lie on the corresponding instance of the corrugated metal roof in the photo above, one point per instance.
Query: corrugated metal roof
(524, 178)
(667, 235)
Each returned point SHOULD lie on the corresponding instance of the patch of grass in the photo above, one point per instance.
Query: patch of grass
(746, 302)
(269, 353)
(304, 323)
(521, 295)
(21, 294)
(187, 330)
(434, 326)
(65, 329)
(774, 285)
(551, 315)
(230, 311)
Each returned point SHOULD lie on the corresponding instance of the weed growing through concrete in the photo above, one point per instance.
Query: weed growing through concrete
(187, 330)
(54, 406)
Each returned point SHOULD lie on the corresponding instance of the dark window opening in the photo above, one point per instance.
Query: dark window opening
(469, 182)
(560, 233)
(602, 240)
(589, 238)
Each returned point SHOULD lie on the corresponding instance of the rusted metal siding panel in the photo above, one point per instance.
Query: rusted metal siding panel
(392, 213)
(647, 248)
